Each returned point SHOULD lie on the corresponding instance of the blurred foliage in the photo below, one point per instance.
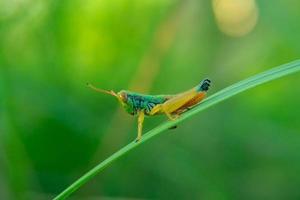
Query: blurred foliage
(53, 129)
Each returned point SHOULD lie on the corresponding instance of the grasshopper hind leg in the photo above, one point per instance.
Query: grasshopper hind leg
(171, 117)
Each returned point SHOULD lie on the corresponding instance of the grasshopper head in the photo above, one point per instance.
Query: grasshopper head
(125, 100)
(122, 97)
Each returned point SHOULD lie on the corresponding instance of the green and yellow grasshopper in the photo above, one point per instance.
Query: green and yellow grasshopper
(170, 105)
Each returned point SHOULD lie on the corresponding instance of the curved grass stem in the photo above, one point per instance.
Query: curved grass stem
(218, 97)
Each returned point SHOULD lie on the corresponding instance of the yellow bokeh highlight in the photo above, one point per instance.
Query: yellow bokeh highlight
(235, 18)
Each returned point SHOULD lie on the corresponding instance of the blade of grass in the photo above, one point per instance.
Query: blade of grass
(218, 97)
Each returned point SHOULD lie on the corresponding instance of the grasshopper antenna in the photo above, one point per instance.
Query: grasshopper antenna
(101, 90)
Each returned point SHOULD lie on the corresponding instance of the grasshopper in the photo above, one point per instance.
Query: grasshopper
(170, 105)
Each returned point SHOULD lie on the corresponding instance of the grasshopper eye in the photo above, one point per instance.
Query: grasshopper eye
(123, 96)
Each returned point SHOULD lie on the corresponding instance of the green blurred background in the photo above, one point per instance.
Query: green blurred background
(53, 128)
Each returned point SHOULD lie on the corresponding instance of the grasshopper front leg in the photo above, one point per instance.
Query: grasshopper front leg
(141, 116)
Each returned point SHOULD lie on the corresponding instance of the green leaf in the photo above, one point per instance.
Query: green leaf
(218, 97)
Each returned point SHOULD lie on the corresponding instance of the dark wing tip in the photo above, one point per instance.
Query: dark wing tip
(205, 84)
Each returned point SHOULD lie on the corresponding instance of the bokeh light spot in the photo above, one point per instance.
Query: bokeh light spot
(235, 18)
